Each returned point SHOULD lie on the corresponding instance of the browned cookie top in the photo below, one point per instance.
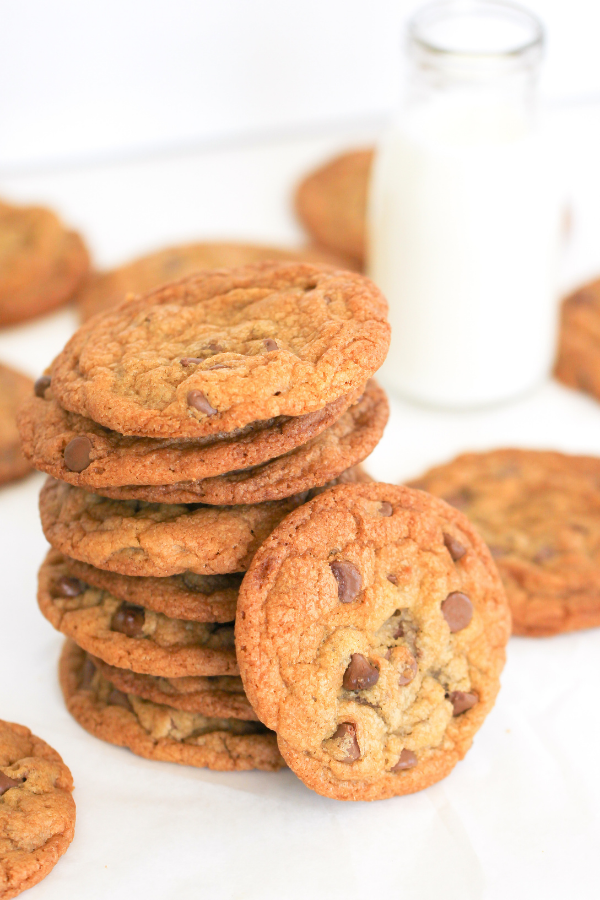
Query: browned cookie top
(370, 634)
(78, 450)
(225, 349)
(578, 360)
(220, 696)
(129, 635)
(41, 263)
(332, 202)
(161, 732)
(104, 290)
(200, 598)
(37, 812)
(14, 388)
(158, 539)
(539, 512)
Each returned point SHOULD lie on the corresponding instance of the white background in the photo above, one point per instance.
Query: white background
(519, 818)
(83, 79)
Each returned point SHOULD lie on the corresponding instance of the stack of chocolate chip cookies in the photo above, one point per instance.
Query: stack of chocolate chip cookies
(178, 430)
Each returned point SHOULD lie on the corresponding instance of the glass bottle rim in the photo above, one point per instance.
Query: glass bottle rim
(434, 13)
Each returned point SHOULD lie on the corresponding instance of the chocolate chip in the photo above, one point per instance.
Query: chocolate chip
(77, 454)
(270, 344)
(409, 672)
(197, 400)
(462, 701)
(399, 632)
(584, 297)
(407, 760)
(129, 620)
(88, 670)
(544, 553)
(346, 735)
(41, 385)
(69, 587)
(348, 579)
(460, 499)
(393, 579)
(360, 674)
(6, 783)
(215, 347)
(218, 366)
(496, 551)
(118, 698)
(454, 547)
(457, 610)
(386, 509)
(190, 361)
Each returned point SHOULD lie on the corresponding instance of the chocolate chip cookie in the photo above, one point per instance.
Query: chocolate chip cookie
(132, 537)
(220, 696)
(42, 264)
(103, 290)
(200, 598)
(37, 812)
(225, 349)
(14, 388)
(161, 732)
(331, 202)
(371, 634)
(237, 488)
(79, 451)
(538, 512)
(578, 361)
(131, 636)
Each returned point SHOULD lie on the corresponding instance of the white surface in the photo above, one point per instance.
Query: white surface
(518, 818)
(91, 80)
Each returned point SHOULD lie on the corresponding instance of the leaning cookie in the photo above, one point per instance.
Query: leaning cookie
(161, 732)
(37, 812)
(42, 263)
(225, 349)
(217, 696)
(155, 539)
(371, 634)
(77, 450)
(538, 512)
(14, 389)
(130, 636)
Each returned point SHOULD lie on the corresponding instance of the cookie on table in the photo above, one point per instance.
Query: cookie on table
(103, 290)
(131, 636)
(225, 349)
(42, 263)
(578, 359)
(331, 203)
(14, 389)
(37, 812)
(370, 634)
(218, 696)
(160, 732)
(133, 537)
(538, 511)
(200, 598)
(282, 460)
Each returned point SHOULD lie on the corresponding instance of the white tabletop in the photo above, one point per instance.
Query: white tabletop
(518, 818)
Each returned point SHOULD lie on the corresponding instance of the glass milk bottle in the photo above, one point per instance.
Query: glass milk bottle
(464, 213)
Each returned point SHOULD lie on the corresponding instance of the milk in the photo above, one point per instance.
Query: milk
(464, 235)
